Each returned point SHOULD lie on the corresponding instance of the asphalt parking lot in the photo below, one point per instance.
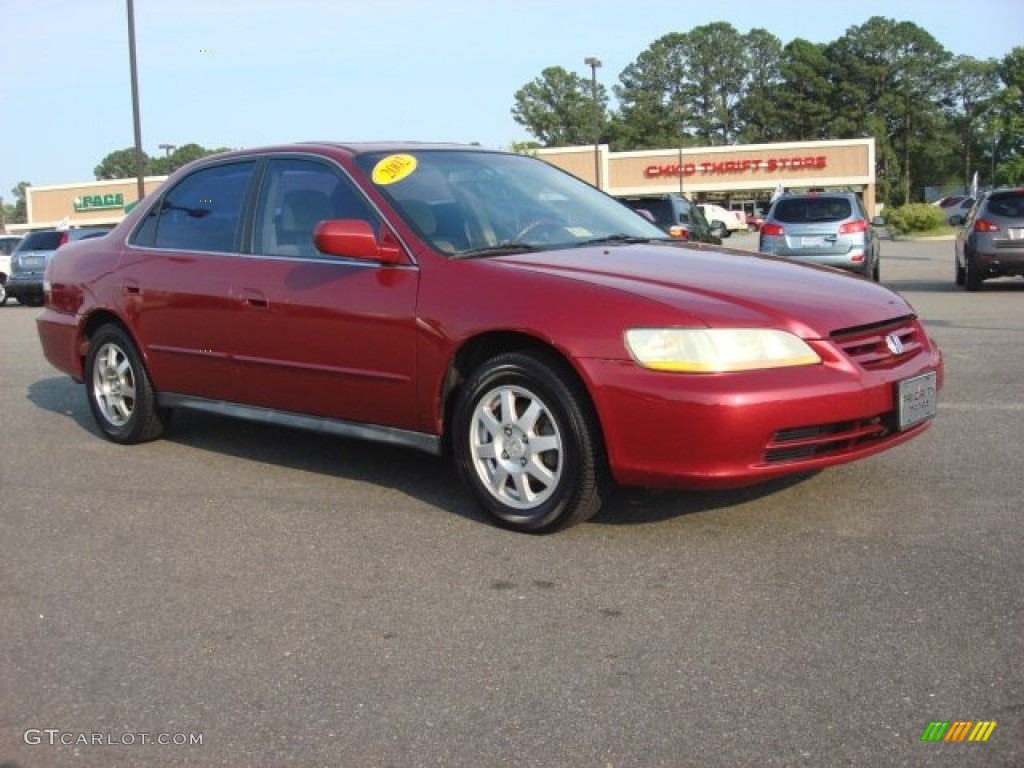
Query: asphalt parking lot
(293, 599)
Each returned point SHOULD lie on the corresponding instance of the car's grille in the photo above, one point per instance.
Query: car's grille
(800, 443)
(884, 345)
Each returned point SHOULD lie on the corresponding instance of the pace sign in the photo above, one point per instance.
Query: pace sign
(99, 202)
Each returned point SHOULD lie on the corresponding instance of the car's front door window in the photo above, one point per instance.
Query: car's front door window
(297, 195)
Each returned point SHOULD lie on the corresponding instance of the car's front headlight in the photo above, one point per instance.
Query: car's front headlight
(717, 350)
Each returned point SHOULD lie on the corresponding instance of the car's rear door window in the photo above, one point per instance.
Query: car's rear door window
(201, 213)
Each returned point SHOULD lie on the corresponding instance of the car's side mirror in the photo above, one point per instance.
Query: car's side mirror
(878, 221)
(956, 220)
(355, 239)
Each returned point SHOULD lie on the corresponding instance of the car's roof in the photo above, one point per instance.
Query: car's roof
(354, 148)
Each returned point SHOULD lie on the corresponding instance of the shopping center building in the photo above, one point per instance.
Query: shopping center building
(86, 204)
(731, 174)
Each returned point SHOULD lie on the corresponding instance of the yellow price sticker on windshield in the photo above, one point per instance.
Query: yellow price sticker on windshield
(393, 168)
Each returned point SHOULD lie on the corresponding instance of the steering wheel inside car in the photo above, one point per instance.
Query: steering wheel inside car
(536, 227)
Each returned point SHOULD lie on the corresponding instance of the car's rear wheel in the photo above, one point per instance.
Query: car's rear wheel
(972, 279)
(718, 229)
(3, 293)
(876, 271)
(527, 443)
(960, 275)
(120, 393)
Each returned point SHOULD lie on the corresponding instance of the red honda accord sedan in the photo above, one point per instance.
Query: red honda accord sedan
(457, 299)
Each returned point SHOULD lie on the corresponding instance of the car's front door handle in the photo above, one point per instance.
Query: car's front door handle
(254, 298)
(130, 287)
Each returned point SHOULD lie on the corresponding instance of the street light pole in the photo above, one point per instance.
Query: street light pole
(995, 137)
(139, 172)
(594, 62)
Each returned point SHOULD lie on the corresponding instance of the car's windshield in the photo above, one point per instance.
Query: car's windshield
(467, 202)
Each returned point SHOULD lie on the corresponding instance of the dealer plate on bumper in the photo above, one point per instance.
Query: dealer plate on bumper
(916, 399)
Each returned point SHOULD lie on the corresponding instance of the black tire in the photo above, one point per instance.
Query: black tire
(960, 275)
(718, 229)
(972, 280)
(119, 391)
(3, 293)
(876, 271)
(557, 481)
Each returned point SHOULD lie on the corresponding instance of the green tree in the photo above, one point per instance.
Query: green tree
(972, 97)
(558, 108)
(119, 164)
(714, 80)
(891, 78)
(758, 107)
(654, 107)
(183, 155)
(1007, 124)
(805, 93)
(17, 213)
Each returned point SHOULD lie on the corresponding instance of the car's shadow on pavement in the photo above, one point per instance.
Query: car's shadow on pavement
(429, 478)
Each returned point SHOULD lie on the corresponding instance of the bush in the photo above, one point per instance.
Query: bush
(916, 217)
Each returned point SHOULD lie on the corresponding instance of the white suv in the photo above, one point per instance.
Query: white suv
(723, 222)
(7, 245)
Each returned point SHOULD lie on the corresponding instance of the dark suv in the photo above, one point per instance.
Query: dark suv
(990, 241)
(25, 283)
(674, 214)
(827, 228)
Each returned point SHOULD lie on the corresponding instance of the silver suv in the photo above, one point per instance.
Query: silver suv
(25, 283)
(827, 228)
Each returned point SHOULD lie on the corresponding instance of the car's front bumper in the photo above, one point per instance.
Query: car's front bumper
(733, 430)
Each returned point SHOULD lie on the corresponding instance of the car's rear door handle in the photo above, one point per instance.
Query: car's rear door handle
(254, 298)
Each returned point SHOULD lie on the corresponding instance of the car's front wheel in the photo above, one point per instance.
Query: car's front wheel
(120, 393)
(3, 293)
(527, 443)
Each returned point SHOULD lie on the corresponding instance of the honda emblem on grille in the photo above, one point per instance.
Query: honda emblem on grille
(894, 343)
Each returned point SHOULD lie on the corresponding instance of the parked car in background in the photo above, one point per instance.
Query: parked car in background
(487, 304)
(7, 245)
(29, 260)
(753, 212)
(990, 239)
(958, 211)
(723, 222)
(675, 214)
(826, 228)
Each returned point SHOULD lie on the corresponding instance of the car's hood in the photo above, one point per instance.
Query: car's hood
(725, 287)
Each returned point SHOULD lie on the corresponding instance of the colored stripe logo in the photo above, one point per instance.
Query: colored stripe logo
(958, 730)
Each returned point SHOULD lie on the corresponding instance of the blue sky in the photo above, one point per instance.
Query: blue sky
(243, 73)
